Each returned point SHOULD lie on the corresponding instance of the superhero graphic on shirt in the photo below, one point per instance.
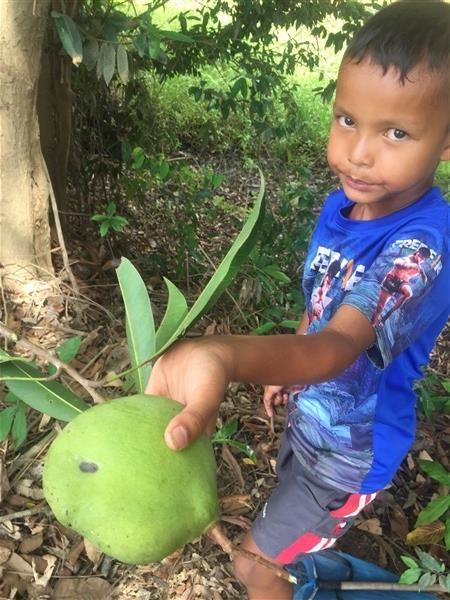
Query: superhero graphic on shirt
(396, 283)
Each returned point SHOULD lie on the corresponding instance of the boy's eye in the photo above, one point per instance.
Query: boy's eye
(345, 121)
(396, 134)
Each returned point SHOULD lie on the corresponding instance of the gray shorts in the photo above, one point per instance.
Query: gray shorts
(303, 514)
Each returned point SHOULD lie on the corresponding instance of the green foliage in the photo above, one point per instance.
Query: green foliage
(269, 295)
(425, 572)
(13, 420)
(110, 220)
(440, 506)
(28, 384)
(70, 36)
(140, 326)
(225, 435)
(66, 352)
(103, 36)
(433, 395)
(176, 311)
(436, 471)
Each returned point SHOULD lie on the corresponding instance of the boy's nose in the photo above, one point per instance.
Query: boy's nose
(360, 152)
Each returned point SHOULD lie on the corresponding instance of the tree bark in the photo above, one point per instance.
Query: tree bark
(54, 106)
(24, 187)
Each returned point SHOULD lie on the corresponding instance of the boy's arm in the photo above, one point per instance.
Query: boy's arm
(197, 373)
(278, 395)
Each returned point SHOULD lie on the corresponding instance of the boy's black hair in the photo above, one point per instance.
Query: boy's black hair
(404, 34)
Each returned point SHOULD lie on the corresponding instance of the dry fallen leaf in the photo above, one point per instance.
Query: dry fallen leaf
(399, 522)
(427, 534)
(115, 381)
(423, 455)
(18, 565)
(26, 488)
(91, 551)
(93, 588)
(371, 525)
(5, 553)
(31, 543)
(42, 580)
(236, 504)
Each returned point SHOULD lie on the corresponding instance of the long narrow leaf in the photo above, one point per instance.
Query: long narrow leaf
(140, 325)
(227, 269)
(49, 397)
(176, 311)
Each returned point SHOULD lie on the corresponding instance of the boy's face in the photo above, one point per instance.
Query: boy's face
(387, 137)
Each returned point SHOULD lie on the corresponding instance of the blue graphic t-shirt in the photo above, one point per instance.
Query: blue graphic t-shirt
(355, 430)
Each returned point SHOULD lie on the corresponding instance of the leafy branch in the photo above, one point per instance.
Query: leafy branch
(49, 357)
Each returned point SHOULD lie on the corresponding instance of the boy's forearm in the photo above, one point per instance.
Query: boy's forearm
(286, 359)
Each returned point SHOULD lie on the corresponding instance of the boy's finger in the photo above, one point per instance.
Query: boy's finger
(268, 405)
(186, 427)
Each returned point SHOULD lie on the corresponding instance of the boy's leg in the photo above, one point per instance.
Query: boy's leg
(260, 582)
(302, 515)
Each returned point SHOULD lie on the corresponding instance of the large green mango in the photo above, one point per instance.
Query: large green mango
(110, 476)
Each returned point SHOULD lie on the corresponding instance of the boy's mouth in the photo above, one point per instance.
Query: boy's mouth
(357, 184)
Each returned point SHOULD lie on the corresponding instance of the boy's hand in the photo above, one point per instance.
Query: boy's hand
(194, 374)
(274, 395)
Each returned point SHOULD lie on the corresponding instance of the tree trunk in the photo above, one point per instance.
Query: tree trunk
(54, 106)
(24, 188)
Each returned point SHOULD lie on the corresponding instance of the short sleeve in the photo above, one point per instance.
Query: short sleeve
(403, 292)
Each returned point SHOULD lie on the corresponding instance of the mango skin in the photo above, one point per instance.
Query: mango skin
(110, 476)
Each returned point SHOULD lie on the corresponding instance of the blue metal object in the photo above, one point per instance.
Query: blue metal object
(319, 571)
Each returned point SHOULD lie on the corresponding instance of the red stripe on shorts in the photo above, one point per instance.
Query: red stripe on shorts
(310, 542)
(353, 505)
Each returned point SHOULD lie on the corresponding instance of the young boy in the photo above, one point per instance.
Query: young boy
(381, 248)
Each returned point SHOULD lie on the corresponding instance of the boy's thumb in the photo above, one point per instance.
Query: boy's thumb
(185, 428)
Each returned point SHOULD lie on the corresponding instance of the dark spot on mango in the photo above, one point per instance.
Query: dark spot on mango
(88, 467)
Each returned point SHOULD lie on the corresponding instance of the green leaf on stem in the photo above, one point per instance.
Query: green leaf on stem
(176, 310)
(410, 576)
(49, 397)
(90, 53)
(140, 325)
(409, 562)
(108, 62)
(6, 420)
(122, 63)
(433, 510)
(70, 37)
(435, 470)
